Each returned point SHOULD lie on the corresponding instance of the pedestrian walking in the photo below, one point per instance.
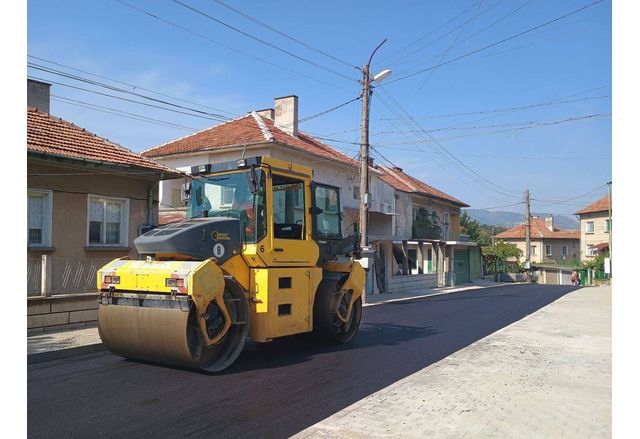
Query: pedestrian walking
(575, 278)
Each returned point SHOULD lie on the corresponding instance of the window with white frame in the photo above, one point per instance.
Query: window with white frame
(533, 250)
(607, 225)
(589, 227)
(107, 221)
(39, 215)
(547, 250)
(591, 251)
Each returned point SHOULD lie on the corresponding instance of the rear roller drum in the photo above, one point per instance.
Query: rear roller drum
(331, 321)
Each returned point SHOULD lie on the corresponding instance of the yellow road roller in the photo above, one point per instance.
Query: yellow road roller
(260, 255)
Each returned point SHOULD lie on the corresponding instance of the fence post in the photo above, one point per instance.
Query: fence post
(45, 278)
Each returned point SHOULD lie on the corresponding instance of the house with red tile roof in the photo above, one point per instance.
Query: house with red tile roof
(595, 226)
(548, 243)
(87, 199)
(396, 198)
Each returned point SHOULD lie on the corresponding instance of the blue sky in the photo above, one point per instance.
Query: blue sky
(559, 146)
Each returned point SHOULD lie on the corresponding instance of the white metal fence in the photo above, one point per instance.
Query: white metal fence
(49, 275)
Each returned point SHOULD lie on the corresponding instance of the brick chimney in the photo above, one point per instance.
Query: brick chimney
(38, 95)
(549, 223)
(286, 114)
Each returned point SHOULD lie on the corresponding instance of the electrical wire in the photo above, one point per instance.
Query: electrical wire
(226, 46)
(442, 151)
(137, 87)
(504, 40)
(119, 113)
(271, 28)
(266, 43)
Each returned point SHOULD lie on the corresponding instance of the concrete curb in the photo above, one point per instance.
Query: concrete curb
(440, 293)
(59, 354)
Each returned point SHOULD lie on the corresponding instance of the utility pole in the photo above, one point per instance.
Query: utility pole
(610, 232)
(364, 159)
(527, 229)
(366, 252)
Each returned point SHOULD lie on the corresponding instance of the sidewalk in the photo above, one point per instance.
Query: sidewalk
(52, 345)
(545, 376)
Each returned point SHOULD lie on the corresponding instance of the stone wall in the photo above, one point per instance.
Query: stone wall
(413, 282)
(61, 312)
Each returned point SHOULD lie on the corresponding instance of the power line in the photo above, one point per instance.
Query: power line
(504, 17)
(271, 28)
(494, 44)
(130, 85)
(460, 26)
(442, 151)
(248, 35)
(120, 113)
(510, 109)
(201, 114)
(388, 58)
(204, 37)
(519, 125)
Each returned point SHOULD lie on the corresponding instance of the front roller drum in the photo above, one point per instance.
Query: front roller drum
(167, 331)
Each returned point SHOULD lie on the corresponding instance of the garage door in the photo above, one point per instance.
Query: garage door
(461, 266)
(552, 277)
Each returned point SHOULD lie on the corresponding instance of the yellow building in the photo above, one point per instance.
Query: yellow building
(594, 229)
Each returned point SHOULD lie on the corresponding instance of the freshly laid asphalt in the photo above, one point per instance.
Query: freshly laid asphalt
(275, 389)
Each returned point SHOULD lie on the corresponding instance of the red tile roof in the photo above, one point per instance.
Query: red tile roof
(255, 129)
(251, 129)
(602, 205)
(50, 135)
(539, 230)
(406, 183)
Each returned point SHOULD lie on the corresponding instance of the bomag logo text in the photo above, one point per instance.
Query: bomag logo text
(220, 236)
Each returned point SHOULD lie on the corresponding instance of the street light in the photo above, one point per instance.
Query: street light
(364, 146)
(366, 251)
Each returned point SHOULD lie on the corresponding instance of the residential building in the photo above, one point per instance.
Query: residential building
(274, 133)
(87, 199)
(595, 227)
(548, 243)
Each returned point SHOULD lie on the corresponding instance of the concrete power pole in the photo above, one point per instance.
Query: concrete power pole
(527, 229)
(364, 159)
(366, 252)
(610, 233)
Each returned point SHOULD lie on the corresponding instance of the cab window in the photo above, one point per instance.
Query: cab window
(288, 208)
(327, 213)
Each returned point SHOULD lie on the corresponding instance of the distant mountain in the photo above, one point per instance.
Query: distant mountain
(510, 219)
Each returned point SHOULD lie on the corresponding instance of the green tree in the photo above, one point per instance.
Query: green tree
(470, 227)
(501, 252)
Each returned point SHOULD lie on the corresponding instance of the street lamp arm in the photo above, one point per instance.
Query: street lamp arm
(375, 50)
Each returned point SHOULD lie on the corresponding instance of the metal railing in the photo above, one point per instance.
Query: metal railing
(34, 277)
(49, 275)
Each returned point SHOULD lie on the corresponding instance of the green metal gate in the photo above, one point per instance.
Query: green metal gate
(461, 266)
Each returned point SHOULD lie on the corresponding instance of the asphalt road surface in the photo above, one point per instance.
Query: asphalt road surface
(274, 389)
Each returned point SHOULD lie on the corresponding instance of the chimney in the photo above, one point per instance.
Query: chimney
(286, 114)
(549, 223)
(370, 163)
(38, 95)
(397, 169)
(267, 112)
